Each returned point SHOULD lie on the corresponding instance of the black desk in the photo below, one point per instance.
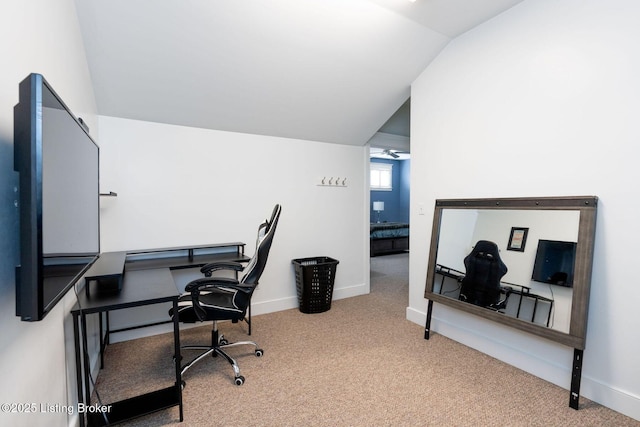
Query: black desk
(525, 292)
(506, 288)
(139, 288)
(146, 279)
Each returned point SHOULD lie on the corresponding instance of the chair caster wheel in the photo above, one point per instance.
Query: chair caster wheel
(183, 385)
(259, 352)
(239, 380)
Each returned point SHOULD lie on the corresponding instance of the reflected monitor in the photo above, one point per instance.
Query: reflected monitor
(554, 262)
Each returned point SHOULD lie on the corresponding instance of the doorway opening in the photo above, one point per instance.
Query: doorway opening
(390, 167)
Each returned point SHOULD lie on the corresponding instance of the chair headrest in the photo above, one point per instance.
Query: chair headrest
(486, 247)
(256, 265)
(275, 214)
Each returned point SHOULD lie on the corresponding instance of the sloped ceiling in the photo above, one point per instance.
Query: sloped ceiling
(321, 70)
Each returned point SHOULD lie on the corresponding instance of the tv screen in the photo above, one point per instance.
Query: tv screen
(554, 262)
(57, 161)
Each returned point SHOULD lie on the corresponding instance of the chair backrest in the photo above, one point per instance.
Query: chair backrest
(484, 269)
(255, 267)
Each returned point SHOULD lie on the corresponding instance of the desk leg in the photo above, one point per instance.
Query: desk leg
(519, 306)
(104, 336)
(103, 344)
(107, 336)
(177, 357)
(76, 339)
(535, 307)
(85, 356)
(427, 327)
(576, 376)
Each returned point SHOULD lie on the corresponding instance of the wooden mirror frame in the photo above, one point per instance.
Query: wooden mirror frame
(587, 207)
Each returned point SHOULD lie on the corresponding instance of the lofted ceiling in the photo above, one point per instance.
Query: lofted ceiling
(320, 70)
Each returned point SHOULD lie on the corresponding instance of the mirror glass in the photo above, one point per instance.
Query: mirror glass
(523, 262)
(524, 239)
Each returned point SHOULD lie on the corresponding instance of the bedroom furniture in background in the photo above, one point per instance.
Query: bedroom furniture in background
(214, 299)
(378, 207)
(388, 238)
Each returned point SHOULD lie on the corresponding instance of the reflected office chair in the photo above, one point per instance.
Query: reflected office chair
(214, 299)
(481, 283)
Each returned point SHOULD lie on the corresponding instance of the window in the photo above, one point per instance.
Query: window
(381, 176)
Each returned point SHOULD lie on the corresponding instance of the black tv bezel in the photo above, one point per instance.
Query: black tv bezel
(28, 162)
(569, 282)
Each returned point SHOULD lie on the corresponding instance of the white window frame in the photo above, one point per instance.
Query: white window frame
(381, 176)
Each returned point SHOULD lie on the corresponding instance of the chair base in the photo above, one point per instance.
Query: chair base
(218, 343)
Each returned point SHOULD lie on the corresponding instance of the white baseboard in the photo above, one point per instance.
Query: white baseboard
(350, 291)
(416, 316)
(548, 370)
(272, 306)
(260, 307)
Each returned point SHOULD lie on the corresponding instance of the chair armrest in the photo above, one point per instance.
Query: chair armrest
(221, 265)
(198, 284)
(206, 283)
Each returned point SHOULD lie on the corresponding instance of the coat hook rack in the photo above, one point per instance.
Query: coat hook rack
(332, 181)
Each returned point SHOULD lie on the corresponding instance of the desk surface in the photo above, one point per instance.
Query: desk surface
(239, 247)
(146, 274)
(140, 287)
(175, 262)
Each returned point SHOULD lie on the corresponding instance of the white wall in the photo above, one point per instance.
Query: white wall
(36, 36)
(541, 101)
(549, 85)
(176, 186)
(182, 186)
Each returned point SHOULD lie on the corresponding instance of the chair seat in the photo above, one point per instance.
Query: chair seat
(219, 305)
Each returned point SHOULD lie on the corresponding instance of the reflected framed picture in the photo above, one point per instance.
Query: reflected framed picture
(517, 239)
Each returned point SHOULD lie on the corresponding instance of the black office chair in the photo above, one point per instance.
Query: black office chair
(222, 298)
(481, 283)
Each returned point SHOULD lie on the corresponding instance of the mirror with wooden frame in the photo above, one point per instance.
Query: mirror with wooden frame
(522, 262)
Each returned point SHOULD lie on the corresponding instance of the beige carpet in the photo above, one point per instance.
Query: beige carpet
(359, 364)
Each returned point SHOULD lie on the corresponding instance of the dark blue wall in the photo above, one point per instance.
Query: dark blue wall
(396, 202)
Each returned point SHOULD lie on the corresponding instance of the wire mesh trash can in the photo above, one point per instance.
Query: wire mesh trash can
(314, 283)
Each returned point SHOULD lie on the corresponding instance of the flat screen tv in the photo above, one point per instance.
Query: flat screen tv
(57, 161)
(554, 262)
